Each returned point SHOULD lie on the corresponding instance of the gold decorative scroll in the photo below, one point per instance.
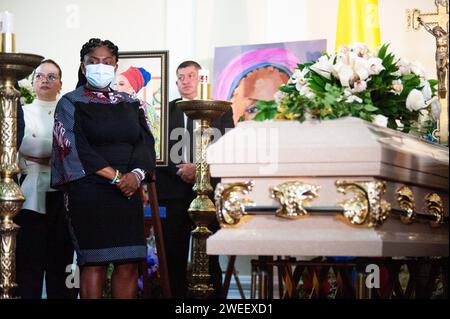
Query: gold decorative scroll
(405, 198)
(435, 208)
(230, 208)
(293, 196)
(366, 208)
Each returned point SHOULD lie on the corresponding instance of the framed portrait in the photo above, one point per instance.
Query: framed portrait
(144, 76)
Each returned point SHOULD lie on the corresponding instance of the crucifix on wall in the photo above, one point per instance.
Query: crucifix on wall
(437, 24)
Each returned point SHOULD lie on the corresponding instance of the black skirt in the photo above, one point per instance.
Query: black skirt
(105, 226)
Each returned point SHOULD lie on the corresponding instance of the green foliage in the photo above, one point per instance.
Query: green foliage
(27, 95)
(267, 111)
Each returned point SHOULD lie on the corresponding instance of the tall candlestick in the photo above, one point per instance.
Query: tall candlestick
(204, 91)
(8, 41)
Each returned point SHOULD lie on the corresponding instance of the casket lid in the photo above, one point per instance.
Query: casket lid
(341, 147)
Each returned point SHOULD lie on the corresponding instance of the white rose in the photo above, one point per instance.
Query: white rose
(380, 120)
(415, 100)
(397, 87)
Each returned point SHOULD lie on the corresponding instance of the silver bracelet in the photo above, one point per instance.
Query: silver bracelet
(138, 177)
(140, 172)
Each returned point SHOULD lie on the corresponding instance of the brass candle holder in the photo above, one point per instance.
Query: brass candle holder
(202, 210)
(13, 67)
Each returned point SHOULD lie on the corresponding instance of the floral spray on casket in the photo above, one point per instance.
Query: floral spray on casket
(377, 87)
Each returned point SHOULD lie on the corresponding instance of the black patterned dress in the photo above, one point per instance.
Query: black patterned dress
(94, 130)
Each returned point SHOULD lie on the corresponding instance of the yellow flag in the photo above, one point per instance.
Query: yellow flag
(358, 21)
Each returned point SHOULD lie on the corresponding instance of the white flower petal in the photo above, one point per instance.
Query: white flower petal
(415, 100)
(375, 65)
(344, 73)
(322, 67)
(354, 98)
(418, 69)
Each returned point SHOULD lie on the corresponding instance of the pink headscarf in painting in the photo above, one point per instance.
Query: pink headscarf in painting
(239, 67)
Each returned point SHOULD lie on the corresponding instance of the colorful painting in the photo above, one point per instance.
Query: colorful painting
(144, 76)
(247, 74)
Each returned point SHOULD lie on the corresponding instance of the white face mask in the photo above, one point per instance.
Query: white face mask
(99, 75)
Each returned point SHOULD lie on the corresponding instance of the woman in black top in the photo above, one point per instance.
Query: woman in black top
(102, 150)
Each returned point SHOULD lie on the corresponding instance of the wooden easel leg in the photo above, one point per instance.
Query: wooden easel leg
(238, 283)
(161, 252)
(228, 273)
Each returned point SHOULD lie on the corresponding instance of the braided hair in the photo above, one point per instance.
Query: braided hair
(88, 47)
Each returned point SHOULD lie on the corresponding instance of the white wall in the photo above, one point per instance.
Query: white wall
(58, 29)
(191, 29)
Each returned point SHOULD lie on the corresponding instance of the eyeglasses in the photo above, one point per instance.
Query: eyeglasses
(49, 77)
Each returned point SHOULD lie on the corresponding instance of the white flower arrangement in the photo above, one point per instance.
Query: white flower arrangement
(377, 87)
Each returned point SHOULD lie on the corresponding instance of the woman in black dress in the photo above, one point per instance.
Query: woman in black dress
(102, 150)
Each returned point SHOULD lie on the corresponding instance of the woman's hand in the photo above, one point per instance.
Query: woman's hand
(128, 184)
